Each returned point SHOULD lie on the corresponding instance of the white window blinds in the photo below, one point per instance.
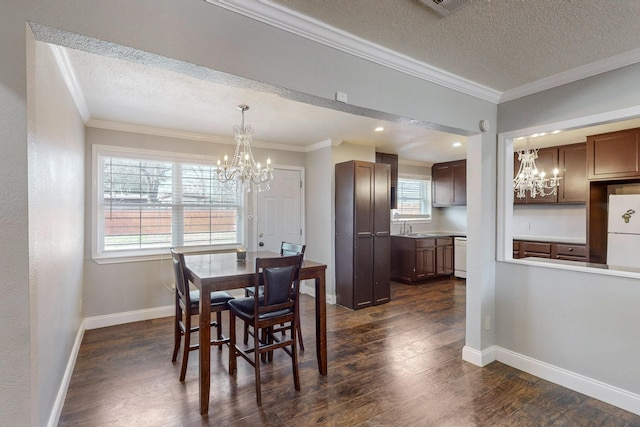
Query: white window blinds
(149, 204)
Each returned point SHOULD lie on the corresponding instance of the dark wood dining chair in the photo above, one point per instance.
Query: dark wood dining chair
(187, 306)
(271, 312)
(286, 249)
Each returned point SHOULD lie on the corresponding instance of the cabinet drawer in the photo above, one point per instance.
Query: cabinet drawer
(425, 243)
(571, 250)
(444, 241)
(536, 247)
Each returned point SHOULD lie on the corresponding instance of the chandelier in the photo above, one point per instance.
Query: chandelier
(530, 179)
(243, 173)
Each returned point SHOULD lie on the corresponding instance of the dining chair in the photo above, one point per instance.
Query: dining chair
(286, 249)
(188, 305)
(271, 312)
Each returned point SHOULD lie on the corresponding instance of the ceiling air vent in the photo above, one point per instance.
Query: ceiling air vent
(444, 7)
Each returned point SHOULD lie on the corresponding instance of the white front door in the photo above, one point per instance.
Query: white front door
(279, 211)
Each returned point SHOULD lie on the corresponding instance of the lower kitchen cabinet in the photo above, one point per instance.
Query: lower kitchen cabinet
(418, 259)
(551, 250)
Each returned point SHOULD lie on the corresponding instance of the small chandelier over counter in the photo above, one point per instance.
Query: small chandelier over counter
(243, 172)
(530, 179)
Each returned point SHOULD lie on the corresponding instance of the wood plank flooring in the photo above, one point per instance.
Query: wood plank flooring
(397, 364)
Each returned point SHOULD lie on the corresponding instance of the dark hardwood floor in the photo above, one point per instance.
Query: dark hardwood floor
(397, 364)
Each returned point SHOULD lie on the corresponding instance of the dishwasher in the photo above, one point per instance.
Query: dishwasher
(460, 257)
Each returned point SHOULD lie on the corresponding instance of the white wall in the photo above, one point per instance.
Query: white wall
(567, 223)
(56, 223)
(198, 34)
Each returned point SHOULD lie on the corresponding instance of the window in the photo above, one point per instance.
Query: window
(148, 201)
(413, 199)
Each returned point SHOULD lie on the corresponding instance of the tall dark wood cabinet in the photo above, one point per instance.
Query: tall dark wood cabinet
(362, 234)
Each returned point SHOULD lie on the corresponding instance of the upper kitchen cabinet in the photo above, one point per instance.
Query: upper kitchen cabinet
(449, 184)
(572, 161)
(613, 155)
(392, 161)
(547, 161)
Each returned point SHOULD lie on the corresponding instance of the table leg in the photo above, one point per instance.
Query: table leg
(205, 349)
(321, 323)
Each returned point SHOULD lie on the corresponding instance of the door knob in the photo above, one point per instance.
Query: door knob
(261, 244)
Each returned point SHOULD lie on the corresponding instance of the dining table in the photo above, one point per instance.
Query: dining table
(222, 271)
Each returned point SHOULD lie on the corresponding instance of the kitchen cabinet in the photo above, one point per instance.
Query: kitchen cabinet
(550, 250)
(614, 155)
(392, 161)
(362, 239)
(416, 259)
(547, 161)
(449, 184)
(572, 163)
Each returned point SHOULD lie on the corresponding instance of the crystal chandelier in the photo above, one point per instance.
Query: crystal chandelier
(243, 172)
(530, 179)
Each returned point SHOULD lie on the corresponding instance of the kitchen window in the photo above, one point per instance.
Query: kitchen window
(413, 199)
(147, 201)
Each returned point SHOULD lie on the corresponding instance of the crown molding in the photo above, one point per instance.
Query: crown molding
(275, 15)
(575, 74)
(192, 136)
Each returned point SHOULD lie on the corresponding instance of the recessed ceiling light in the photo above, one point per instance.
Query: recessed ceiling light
(379, 129)
(556, 131)
(457, 144)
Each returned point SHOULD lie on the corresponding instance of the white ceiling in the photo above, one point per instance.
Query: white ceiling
(501, 47)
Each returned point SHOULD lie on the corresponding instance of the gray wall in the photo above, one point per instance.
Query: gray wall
(198, 33)
(578, 321)
(56, 199)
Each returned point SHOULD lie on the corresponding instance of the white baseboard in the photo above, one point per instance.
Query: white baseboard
(479, 358)
(593, 388)
(96, 322)
(310, 289)
(54, 417)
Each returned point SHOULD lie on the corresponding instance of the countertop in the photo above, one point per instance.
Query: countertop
(431, 234)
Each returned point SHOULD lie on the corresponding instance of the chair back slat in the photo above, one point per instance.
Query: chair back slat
(288, 249)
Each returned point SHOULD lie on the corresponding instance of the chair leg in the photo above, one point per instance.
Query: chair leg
(246, 333)
(187, 344)
(177, 333)
(256, 355)
(232, 343)
(298, 329)
(219, 328)
(294, 361)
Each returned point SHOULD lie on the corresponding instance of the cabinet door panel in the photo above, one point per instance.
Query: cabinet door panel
(363, 273)
(613, 155)
(459, 181)
(441, 176)
(573, 169)
(364, 186)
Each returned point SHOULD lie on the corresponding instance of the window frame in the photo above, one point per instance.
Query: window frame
(398, 217)
(98, 254)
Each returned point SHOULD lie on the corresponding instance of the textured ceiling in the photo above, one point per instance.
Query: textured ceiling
(500, 44)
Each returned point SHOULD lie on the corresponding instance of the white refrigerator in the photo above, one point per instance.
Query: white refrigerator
(623, 242)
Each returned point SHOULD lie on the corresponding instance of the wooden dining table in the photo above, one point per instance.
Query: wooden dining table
(222, 272)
